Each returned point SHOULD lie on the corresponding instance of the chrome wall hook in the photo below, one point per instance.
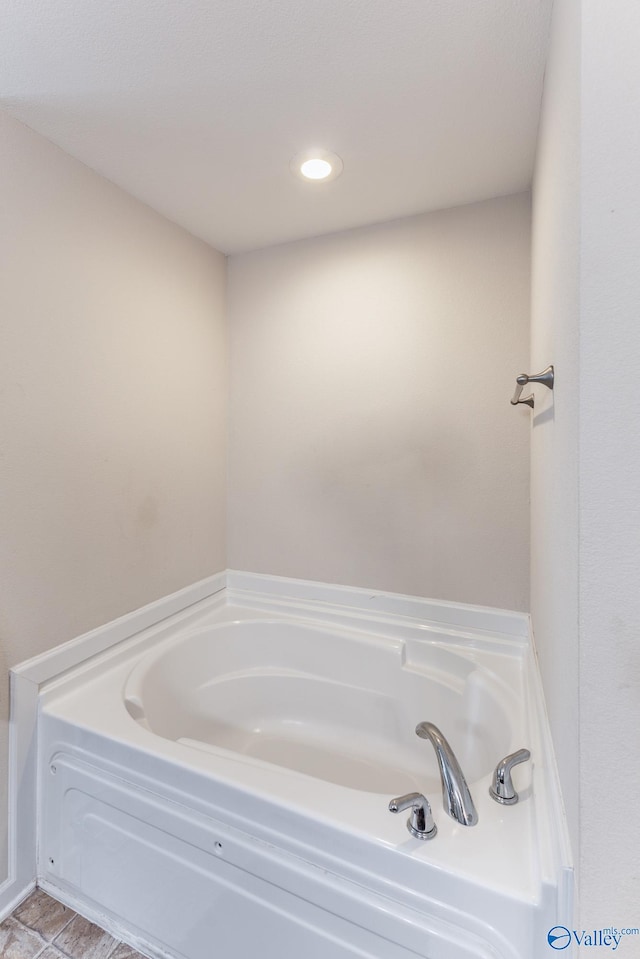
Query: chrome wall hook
(545, 379)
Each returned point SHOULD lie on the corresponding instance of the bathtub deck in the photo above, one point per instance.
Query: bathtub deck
(42, 928)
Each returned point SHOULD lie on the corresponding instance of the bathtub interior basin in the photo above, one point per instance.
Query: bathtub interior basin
(337, 705)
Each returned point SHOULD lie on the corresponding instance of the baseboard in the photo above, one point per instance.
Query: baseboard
(12, 894)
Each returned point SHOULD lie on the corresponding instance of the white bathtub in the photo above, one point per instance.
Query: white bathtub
(219, 784)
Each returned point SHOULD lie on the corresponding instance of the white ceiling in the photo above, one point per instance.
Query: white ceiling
(197, 106)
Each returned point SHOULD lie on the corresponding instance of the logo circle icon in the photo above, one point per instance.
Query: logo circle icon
(559, 937)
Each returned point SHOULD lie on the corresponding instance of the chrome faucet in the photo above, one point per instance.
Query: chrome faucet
(456, 797)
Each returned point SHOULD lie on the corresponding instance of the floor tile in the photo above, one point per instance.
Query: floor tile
(123, 951)
(81, 939)
(16, 942)
(51, 953)
(44, 914)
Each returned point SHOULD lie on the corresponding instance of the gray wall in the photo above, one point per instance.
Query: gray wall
(585, 452)
(555, 318)
(372, 441)
(113, 404)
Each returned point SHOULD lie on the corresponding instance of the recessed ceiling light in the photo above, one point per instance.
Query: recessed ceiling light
(316, 165)
(316, 169)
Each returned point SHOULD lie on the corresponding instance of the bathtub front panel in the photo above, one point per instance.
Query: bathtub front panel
(192, 887)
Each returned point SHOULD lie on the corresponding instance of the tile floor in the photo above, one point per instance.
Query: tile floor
(42, 927)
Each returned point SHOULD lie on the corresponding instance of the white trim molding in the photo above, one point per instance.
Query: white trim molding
(258, 588)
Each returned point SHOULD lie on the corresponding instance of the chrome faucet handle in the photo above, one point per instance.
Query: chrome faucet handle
(501, 788)
(420, 823)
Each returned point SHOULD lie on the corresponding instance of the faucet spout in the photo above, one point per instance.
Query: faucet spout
(456, 797)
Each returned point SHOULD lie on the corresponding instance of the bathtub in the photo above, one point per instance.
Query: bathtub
(219, 784)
